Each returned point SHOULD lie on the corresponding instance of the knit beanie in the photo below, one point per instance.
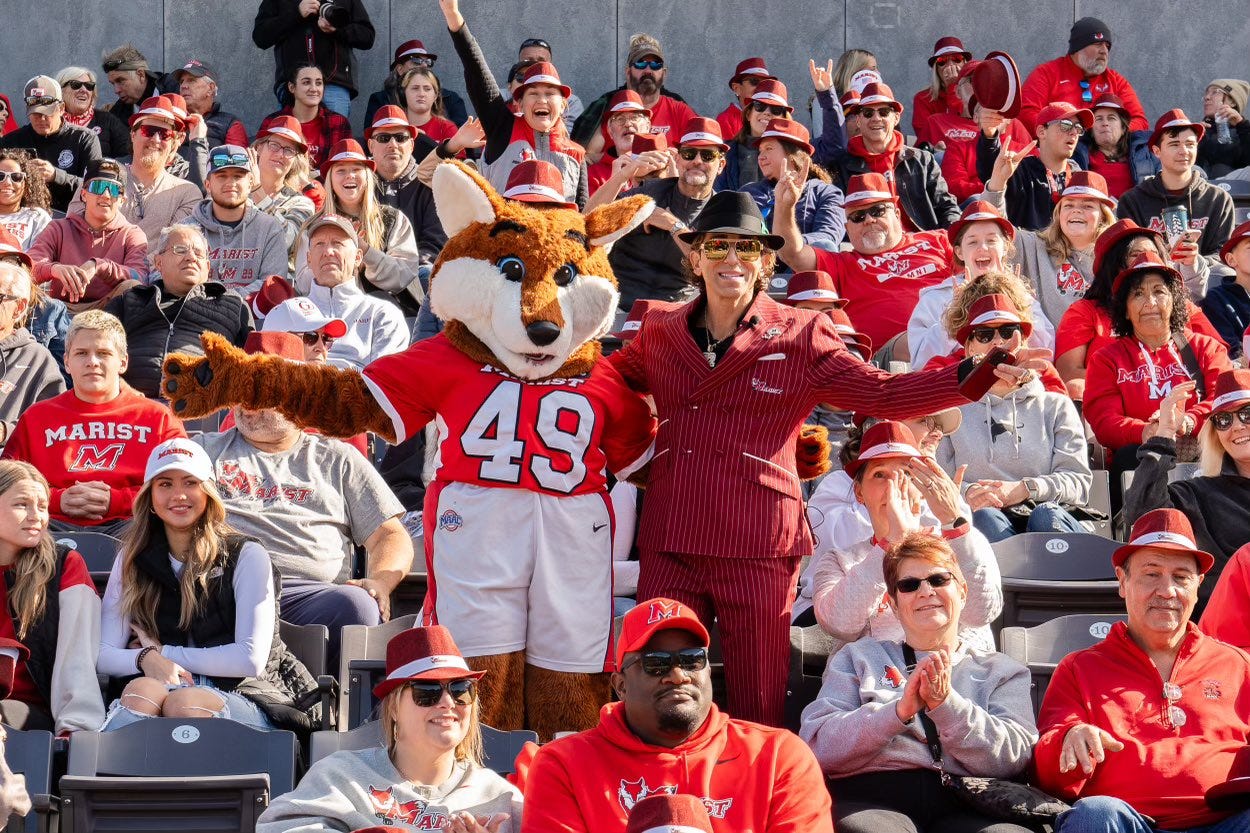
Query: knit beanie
(1237, 90)
(1088, 30)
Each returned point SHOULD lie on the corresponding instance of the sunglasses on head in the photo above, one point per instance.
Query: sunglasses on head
(311, 339)
(1068, 126)
(771, 109)
(80, 85)
(878, 211)
(16, 177)
(229, 160)
(1223, 420)
(426, 693)
(984, 335)
(879, 112)
(912, 584)
(539, 42)
(651, 65)
(100, 187)
(152, 131)
(706, 154)
(387, 138)
(749, 251)
(1087, 95)
(659, 663)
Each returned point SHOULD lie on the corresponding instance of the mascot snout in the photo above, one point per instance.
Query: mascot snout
(542, 333)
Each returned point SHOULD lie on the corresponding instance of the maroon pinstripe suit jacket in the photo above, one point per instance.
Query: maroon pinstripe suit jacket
(723, 479)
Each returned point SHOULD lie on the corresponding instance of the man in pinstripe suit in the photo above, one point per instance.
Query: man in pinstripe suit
(734, 374)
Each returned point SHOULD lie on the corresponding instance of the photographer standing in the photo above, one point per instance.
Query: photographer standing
(321, 32)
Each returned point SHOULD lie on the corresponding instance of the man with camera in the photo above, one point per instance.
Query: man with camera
(322, 32)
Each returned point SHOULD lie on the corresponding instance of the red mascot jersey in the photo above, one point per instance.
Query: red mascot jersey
(558, 436)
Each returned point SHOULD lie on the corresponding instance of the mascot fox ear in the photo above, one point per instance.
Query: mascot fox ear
(463, 197)
(609, 223)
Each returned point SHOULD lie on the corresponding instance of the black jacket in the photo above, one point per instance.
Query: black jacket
(297, 40)
(922, 190)
(1030, 195)
(158, 324)
(453, 104)
(69, 151)
(112, 133)
(415, 200)
(158, 83)
(1218, 160)
(41, 637)
(648, 264)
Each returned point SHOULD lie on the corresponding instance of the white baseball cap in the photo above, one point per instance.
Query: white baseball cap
(180, 454)
(301, 315)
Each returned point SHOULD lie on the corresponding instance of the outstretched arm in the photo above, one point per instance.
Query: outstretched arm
(333, 401)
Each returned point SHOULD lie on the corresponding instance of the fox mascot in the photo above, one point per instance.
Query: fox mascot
(518, 529)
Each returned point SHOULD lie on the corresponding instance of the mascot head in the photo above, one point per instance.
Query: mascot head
(525, 289)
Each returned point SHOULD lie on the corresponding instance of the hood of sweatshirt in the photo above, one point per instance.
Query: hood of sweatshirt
(617, 732)
(16, 341)
(82, 229)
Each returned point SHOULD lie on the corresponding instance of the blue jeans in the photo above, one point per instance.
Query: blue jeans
(338, 99)
(995, 524)
(1104, 814)
(237, 708)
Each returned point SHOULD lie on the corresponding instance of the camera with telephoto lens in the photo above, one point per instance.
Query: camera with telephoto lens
(337, 13)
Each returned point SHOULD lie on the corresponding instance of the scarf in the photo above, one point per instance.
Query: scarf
(558, 139)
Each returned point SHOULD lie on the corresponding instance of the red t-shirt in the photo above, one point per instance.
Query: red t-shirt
(438, 128)
(1119, 177)
(668, 116)
(730, 121)
(882, 290)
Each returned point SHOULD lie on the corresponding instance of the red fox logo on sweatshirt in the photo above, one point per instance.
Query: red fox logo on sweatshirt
(386, 808)
(631, 792)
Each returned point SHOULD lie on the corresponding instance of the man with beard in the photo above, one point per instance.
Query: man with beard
(644, 74)
(666, 736)
(648, 261)
(1033, 183)
(245, 245)
(1080, 77)
(312, 500)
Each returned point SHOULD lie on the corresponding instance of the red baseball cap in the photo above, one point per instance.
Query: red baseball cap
(702, 132)
(885, 440)
(1163, 529)
(949, 45)
(649, 618)
(980, 211)
(427, 653)
(538, 182)
(751, 66)
(992, 309)
(1173, 119)
(1059, 110)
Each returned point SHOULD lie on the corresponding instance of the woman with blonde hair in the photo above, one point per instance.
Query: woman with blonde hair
(427, 773)
(282, 170)
(46, 682)
(191, 608)
(945, 65)
(78, 91)
(421, 96)
(850, 62)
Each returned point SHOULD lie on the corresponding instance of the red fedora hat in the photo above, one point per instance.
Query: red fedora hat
(1089, 184)
(787, 131)
(996, 84)
(1232, 390)
(812, 285)
(702, 132)
(537, 181)
(754, 67)
(885, 440)
(773, 93)
(1163, 529)
(1119, 231)
(664, 813)
(427, 653)
(949, 45)
(1171, 120)
(851, 337)
(980, 211)
(1146, 261)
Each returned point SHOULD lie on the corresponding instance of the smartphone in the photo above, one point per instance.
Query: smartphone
(981, 379)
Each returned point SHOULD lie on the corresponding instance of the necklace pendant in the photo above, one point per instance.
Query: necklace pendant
(710, 355)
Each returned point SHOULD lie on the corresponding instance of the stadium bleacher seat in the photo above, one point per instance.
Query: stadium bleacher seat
(29, 754)
(1042, 646)
(200, 774)
(98, 552)
(1100, 501)
(1239, 190)
(809, 653)
(1049, 574)
(310, 644)
(362, 662)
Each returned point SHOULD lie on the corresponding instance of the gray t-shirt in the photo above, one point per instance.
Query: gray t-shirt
(308, 505)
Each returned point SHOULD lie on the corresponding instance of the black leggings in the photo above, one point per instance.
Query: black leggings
(905, 801)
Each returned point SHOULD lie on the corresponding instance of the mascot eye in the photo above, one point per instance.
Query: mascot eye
(565, 274)
(513, 268)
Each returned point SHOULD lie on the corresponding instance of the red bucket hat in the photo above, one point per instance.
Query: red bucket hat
(345, 150)
(852, 338)
(387, 117)
(1089, 184)
(949, 45)
(409, 48)
(751, 66)
(538, 182)
(427, 653)
(1058, 110)
(541, 73)
(286, 127)
(992, 309)
(700, 132)
(1173, 119)
(981, 211)
(649, 618)
(812, 285)
(879, 92)
(773, 93)
(627, 101)
(866, 189)
(664, 813)
(788, 131)
(996, 84)
(1146, 261)
(1163, 529)
(1232, 390)
(885, 440)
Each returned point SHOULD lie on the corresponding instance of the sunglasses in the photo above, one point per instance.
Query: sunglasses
(42, 101)
(879, 112)
(229, 160)
(1067, 126)
(151, 131)
(689, 154)
(100, 187)
(1174, 716)
(659, 663)
(912, 584)
(877, 211)
(1223, 420)
(1087, 95)
(771, 109)
(311, 339)
(80, 85)
(387, 138)
(16, 177)
(420, 60)
(651, 65)
(282, 150)
(539, 42)
(984, 335)
(949, 59)
(426, 693)
(749, 251)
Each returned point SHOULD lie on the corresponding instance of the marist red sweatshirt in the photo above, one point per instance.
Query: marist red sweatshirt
(72, 441)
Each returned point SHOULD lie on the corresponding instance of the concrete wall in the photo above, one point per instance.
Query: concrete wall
(1168, 51)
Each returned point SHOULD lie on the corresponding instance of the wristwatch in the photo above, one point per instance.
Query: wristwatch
(1030, 486)
(678, 227)
(956, 524)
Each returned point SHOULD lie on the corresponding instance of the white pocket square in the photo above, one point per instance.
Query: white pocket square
(773, 357)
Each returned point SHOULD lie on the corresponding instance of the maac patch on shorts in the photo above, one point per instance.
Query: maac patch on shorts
(450, 521)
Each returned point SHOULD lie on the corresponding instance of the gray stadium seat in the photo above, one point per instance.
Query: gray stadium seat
(362, 662)
(309, 644)
(98, 552)
(1100, 501)
(1239, 190)
(1041, 647)
(1049, 574)
(29, 753)
(200, 774)
(499, 749)
(809, 653)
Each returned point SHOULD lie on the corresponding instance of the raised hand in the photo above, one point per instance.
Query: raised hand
(1006, 163)
(822, 77)
(937, 488)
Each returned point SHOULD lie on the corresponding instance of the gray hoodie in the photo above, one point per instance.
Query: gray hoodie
(986, 723)
(1031, 432)
(28, 374)
(243, 255)
(1056, 286)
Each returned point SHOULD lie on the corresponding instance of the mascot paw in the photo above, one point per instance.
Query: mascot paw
(188, 382)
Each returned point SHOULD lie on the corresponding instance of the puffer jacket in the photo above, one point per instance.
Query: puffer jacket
(1141, 162)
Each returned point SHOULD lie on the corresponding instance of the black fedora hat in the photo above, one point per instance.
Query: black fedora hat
(731, 212)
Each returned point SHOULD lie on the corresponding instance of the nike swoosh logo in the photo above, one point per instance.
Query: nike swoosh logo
(597, 527)
(727, 760)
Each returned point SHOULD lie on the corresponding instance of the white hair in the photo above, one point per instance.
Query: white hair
(16, 276)
(74, 73)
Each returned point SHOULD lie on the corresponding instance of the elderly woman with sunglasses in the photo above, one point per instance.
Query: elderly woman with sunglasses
(426, 774)
(883, 696)
(78, 89)
(1215, 502)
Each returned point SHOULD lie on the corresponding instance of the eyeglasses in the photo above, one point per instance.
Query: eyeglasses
(229, 160)
(1223, 420)
(183, 250)
(387, 138)
(879, 112)
(539, 42)
(80, 85)
(281, 149)
(100, 187)
(707, 155)
(627, 116)
(651, 65)
(984, 335)
(311, 339)
(749, 251)
(151, 131)
(877, 211)
(1174, 716)
(16, 177)
(911, 584)
(5, 298)
(659, 663)
(771, 109)
(1067, 126)
(428, 693)
(1087, 95)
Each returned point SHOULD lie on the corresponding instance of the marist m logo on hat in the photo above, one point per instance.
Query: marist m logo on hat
(660, 611)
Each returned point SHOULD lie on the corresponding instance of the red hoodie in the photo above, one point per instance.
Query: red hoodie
(1060, 80)
(923, 108)
(1225, 615)
(120, 251)
(1162, 772)
(10, 124)
(752, 778)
